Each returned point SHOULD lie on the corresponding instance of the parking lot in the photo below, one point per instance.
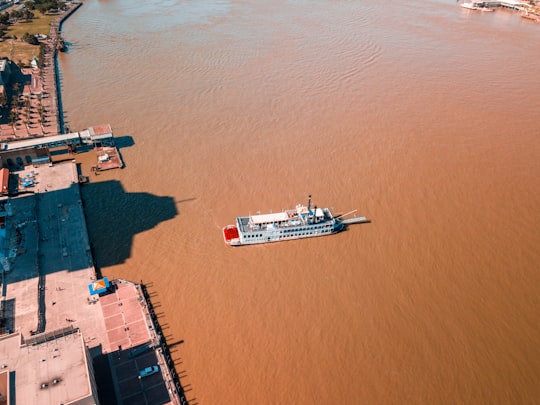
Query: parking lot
(131, 388)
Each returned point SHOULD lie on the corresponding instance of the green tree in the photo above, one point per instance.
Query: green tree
(27, 15)
(15, 14)
(41, 55)
(13, 115)
(4, 18)
(31, 39)
(3, 98)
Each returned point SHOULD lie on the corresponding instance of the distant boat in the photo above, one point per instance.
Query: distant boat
(61, 45)
(530, 16)
(297, 223)
(470, 6)
(476, 6)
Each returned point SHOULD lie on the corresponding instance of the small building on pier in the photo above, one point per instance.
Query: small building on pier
(99, 135)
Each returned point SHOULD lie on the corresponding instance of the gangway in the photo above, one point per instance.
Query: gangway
(101, 134)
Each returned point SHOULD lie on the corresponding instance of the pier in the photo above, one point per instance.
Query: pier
(62, 342)
(39, 122)
(71, 343)
(85, 137)
(108, 158)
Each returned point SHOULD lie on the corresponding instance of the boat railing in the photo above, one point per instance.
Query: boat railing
(286, 224)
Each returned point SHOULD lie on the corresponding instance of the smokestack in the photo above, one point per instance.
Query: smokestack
(309, 203)
(315, 214)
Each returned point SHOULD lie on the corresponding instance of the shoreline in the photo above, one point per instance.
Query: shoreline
(56, 28)
(39, 110)
(65, 205)
(161, 349)
(50, 59)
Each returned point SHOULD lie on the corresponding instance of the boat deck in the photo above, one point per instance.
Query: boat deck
(284, 220)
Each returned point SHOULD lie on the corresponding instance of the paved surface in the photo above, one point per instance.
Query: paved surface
(38, 110)
(134, 390)
(46, 249)
(124, 318)
(46, 373)
(46, 236)
(131, 343)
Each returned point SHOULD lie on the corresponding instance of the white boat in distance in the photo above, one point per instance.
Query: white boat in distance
(476, 6)
(297, 223)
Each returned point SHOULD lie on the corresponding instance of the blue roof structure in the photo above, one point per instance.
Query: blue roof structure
(99, 286)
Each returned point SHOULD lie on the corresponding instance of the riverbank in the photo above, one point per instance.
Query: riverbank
(38, 108)
(46, 276)
(116, 330)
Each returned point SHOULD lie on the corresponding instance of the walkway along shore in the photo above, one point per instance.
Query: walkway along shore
(49, 72)
(51, 86)
(51, 245)
(39, 104)
(37, 114)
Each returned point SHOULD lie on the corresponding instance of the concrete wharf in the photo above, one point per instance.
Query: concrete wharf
(108, 158)
(39, 119)
(85, 137)
(49, 318)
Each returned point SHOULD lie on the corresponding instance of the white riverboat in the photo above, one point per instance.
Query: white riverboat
(300, 222)
(469, 6)
(481, 6)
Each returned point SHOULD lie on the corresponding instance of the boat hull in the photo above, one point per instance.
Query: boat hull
(233, 237)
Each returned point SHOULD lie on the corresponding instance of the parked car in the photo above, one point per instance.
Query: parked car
(148, 371)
